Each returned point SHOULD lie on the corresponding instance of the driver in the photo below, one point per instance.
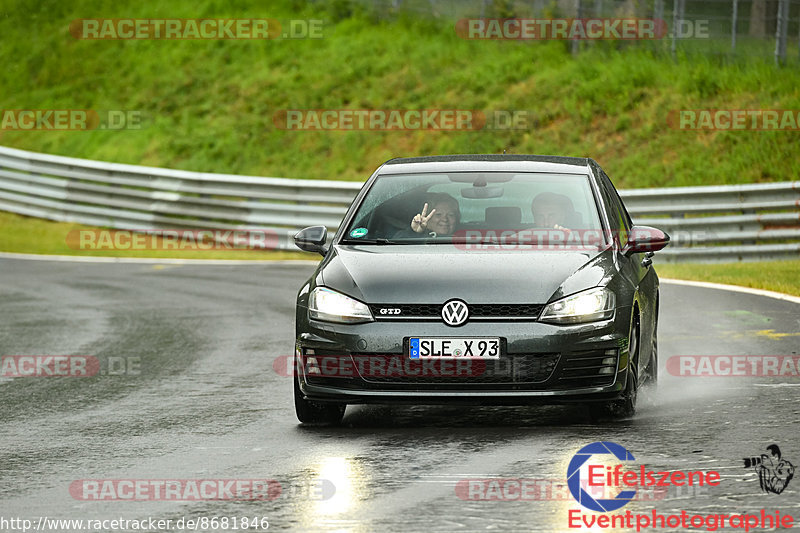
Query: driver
(550, 210)
(442, 218)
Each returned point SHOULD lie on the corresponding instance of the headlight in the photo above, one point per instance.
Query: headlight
(331, 306)
(587, 306)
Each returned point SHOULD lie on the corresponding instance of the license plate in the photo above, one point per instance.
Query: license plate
(452, 347)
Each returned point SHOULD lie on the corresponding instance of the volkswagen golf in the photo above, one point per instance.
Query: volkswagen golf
(482, 279)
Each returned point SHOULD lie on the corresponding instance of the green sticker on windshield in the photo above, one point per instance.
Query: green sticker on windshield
(358, 232)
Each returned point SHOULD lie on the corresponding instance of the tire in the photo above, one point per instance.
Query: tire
(625, 406)
(309, 412)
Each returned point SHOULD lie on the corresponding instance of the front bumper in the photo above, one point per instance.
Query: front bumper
(541, 363)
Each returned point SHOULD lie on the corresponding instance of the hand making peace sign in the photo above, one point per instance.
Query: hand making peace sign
(420, 221)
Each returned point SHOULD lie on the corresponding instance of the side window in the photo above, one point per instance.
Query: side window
(623, 209)
(617, 214)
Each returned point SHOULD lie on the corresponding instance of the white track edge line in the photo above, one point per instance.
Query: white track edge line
(733, 288)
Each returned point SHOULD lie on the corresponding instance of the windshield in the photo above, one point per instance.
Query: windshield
(479, 207)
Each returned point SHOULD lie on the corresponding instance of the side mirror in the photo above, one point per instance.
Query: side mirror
(645, 239)
(312, 239)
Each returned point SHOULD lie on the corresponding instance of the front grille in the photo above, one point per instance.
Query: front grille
(588, 369)
(505, 310)
(476, 311)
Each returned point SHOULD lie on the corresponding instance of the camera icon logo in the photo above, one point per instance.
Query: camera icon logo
(774, 472)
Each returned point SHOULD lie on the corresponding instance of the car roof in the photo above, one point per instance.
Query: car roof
(487, 163)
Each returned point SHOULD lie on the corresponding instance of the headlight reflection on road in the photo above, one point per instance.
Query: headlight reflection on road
(346, 477)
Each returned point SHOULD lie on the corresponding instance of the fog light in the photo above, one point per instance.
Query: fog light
(606, 370)
(312, 365)
(610, 361)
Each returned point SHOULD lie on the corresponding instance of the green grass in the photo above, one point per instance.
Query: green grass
(20, 234)
(780, 276)
(209, 104)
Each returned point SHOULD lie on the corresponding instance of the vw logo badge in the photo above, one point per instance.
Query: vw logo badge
(455, 312)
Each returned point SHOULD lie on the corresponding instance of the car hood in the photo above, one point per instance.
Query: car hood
(434, 274)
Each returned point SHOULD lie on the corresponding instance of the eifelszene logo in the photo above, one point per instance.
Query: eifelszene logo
(583, 474)
(593, 467)
(574, 479)
(774, 473)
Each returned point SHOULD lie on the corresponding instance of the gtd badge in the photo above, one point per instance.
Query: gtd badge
(574, 476)
(455, 312)
(389, 310)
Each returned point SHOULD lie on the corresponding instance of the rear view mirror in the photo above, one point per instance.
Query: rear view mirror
(312, 239)
(645, 239)
(481, 193)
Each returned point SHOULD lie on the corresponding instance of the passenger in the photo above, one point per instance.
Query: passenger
(441, 220)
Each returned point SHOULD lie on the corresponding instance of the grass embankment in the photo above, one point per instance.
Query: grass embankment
(209, 105)
(779, 276)
(28, 235)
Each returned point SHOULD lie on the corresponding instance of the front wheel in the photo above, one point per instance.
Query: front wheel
(309, 412)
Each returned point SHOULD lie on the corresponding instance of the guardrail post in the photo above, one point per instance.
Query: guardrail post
(781, 32)
(578, 14)
(677, 22)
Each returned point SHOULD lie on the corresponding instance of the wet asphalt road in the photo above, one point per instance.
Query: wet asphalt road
(202, 401)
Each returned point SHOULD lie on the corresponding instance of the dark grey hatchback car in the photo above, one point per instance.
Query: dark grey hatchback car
(483, 279)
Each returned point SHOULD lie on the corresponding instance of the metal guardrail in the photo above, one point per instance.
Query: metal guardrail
(723, 222)
(713, 223)
(136, 197)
